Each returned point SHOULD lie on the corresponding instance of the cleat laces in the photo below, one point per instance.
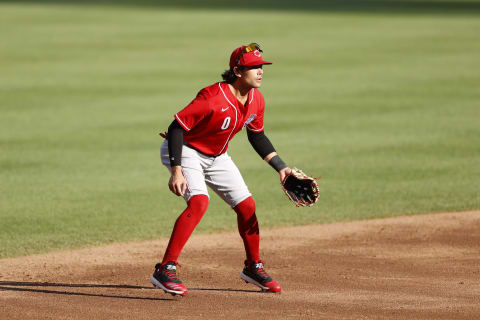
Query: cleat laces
(260, 271)
(170, 270)
(171, 273)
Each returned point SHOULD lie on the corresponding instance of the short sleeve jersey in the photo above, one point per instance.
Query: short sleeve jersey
(213, 118)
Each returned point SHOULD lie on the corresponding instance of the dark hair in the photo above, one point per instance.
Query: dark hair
(229, 76)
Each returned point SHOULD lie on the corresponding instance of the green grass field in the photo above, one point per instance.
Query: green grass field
(381, 100)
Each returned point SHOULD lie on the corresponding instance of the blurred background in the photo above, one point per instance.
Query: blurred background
(380, 98)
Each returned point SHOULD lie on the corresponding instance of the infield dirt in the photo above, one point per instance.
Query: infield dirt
(417, 267)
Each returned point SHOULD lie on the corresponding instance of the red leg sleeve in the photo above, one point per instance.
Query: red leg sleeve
(184, 226)
(248, 228)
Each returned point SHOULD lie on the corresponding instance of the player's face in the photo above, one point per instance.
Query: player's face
(252, 76)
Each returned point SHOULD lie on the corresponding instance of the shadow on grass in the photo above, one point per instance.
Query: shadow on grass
(20, 286)
(355, 6)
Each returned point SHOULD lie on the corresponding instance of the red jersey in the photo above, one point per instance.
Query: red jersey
(213, 118)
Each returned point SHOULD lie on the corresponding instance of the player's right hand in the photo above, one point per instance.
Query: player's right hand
(177, 183)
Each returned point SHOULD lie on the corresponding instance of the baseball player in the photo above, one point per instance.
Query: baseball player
(195, 153)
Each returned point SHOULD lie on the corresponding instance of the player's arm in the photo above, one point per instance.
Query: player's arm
(177, 182)
(266, 151)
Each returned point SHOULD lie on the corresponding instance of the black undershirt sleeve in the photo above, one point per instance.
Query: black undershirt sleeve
(264, 147)
(175, 143)
(260, 143)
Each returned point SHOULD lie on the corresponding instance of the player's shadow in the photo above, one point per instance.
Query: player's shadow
(225, 290)
(35, 287)
(38, 287)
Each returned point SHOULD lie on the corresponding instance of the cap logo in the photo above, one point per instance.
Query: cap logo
(257, 53)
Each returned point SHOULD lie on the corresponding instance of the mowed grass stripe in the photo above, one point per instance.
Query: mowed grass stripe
(383, 106)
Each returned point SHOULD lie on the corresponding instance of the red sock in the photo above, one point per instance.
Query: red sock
(248, 228)
(184, 226)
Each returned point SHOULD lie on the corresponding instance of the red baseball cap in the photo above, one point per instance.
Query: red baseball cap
(247, 56)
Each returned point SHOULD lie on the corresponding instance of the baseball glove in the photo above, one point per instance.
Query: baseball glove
(300, 188)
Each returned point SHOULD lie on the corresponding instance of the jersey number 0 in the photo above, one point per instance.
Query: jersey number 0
(226, 123)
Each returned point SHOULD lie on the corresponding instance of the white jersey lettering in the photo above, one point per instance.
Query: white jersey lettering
(226, 123)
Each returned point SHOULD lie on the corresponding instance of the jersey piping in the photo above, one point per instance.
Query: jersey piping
(253, 129)
(236, 117)
(181, 122)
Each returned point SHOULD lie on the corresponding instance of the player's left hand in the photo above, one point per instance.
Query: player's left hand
(283, 173)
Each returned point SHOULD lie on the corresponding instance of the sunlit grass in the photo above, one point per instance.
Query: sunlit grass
(383, 107)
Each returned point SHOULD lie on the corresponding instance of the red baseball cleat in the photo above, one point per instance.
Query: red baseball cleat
(254, 273)
(165, 278)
